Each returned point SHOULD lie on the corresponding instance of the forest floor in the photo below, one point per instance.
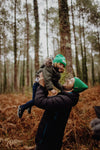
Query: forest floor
(19, 134)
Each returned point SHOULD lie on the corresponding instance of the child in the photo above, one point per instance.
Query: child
(51, 74)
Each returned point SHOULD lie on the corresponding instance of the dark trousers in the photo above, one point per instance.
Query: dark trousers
(31, 102)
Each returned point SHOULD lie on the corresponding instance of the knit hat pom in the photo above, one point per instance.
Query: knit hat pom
(79, 85)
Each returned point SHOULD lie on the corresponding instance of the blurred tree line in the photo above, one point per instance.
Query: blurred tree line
(73, 26)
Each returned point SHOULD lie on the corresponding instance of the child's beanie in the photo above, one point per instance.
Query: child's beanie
(79, 85)
(60, 59)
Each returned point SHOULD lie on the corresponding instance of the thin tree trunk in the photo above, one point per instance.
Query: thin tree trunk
(80, 35)
(23, 78)
(92, 70)
(5, 76)
(27, 24)
(78, 72)
(85, 76)
(99, 52)
(65, 42)
(36, 35)
(15, 49)
(53, 41)
(47, 27)
(0, 64)
(31, 72)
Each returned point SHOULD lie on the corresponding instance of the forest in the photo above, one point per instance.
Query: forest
(31, 31)
(28, 35)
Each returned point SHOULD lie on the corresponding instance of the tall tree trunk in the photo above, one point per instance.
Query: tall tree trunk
(78, 72)
(99, 52)
(31, 72)
(36, 35)
(85, 76)
(53, 42)
(5, 76)
(65, 42)
(0, 64)
(80, 35)
(27, 24)
(47, 27)
(92, 70)
(15, 49)
(23, 78)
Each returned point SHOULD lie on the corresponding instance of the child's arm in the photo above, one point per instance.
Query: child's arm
(58, 86)
(47, 74)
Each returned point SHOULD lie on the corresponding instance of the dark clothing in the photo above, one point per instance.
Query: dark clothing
(31, 102)
(51, 77)
(95, 124)
(97, 111)
(57, 109)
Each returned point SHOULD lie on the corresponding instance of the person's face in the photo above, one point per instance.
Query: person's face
(69, 84)
(60, 67)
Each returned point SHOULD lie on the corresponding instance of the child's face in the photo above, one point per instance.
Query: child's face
(60, 67)
(69, 84)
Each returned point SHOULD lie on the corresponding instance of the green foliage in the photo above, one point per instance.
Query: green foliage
(63, 77)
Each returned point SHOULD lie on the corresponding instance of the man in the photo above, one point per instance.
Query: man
(57, 110)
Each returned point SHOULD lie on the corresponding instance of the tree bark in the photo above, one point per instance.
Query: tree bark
(15, 49)
(65, 41)
(92, 70)
(27, 24)
(47, 27)
(80, 35)
(0, 64)
(78, 72)
(36, 35)
(85, 76)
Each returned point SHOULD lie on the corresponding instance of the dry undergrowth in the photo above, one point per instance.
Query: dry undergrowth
(19, 134)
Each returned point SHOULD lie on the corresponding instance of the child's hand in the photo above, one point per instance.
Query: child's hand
(53, 92)
(41, 79)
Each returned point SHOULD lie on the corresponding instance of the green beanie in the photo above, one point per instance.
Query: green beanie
(60, 59)
(79, 85)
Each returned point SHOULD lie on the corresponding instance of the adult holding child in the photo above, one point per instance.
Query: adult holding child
(51, 73)
(57, 110)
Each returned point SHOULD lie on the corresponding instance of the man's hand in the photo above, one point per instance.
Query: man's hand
(52, 92)
(41, 79)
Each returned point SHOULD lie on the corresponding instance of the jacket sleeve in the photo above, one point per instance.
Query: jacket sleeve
(53, 103)
(58, 86)
(47, 74)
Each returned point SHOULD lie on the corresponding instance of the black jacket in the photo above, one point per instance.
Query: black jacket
(52, 125)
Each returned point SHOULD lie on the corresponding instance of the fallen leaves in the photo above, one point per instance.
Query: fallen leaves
(20, 133)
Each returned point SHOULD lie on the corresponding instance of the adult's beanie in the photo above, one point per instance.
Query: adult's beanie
(79, 85)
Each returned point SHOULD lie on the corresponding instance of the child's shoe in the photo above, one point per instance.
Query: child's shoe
(20, 112)
(29, 110)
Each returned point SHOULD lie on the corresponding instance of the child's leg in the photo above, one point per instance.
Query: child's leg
(35, 86)
(29, 104)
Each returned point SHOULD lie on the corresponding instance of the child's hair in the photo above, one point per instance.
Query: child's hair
(48, 62)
